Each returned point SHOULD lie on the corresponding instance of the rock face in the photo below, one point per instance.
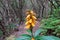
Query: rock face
(41, 7)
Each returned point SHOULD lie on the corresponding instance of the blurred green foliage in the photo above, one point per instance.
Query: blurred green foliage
(56, 12)
(52, 23)
(9, 29)
(1, 33)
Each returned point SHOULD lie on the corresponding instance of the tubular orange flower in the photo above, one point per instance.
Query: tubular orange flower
(32, 13)
(32, 39)
(27, 26)
(33, 24)
(34, 17)
(27, 23)
(30, 21)
(28, 16)
(27, 19)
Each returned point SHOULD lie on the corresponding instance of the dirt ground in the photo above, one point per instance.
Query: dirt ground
(22, 30)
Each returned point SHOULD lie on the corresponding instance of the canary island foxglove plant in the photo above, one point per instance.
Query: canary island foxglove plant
(30, 23)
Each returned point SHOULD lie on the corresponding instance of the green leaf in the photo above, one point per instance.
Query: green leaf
(38, 37)
(38, 32)
(18, 39)
(29, 31)
(24, 37)
(27, 35)
(49, 38)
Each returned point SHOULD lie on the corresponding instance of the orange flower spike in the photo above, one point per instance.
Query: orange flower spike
(30, 19)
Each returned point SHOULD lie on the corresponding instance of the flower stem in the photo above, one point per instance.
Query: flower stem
(31, 31)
